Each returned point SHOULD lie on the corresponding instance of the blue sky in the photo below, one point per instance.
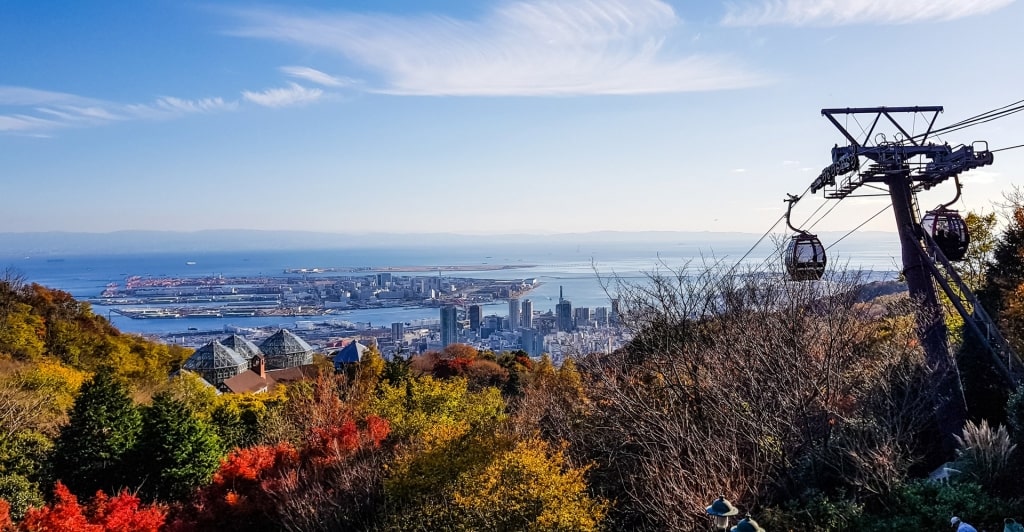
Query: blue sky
(475, 117)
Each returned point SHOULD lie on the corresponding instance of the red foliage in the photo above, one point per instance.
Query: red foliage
(64, 514)
(248, 465)
(243, 488)
(451, 367)
(121, 513)
(525, 361)
(378, 429)
(5, 516)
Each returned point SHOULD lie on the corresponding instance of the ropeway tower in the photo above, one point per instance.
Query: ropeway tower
(901, 166)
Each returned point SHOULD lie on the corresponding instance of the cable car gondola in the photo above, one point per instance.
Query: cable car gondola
(948, 229)
(804, 256)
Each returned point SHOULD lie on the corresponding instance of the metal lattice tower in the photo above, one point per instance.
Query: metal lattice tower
(905, 164)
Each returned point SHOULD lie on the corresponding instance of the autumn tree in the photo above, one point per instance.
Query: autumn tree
(750, 387)
(528, 486)
(332, 481)
(121, 513)
(103, 427)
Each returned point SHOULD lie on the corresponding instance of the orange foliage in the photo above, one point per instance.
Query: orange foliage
(5, 516)
(121, 513)
(525, 361)
(460, 351)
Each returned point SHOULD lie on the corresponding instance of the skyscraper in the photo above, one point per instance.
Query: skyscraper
(526, 319)
(476, 316)
(532, 341)
(449, 326)
(615, 317)
(513, 314)
(398, 332)
(581, 316)
(563, 315)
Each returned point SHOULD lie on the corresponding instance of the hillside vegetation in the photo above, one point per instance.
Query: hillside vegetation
(804, 404)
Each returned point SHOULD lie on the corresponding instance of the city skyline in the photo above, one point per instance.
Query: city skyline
(352, 117)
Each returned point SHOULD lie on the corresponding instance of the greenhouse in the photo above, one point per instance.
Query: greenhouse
(285, 350)
(215, 362)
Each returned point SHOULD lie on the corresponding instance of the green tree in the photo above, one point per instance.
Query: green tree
(20, 493)
(103, 426)
(982, 228)
(177, 452)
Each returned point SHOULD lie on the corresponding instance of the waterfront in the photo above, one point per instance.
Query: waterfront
(574, 268)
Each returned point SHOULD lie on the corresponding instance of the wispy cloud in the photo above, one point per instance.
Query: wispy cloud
(293, 94)
(528, 47)
(845, 12)
(315, 76)
(28, 110)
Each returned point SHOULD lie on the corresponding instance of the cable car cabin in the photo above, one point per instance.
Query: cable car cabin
(949, 231)
(804, 258)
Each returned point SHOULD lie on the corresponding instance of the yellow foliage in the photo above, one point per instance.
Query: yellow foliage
(414, 405)
(432, 465)
(528, 487)
(60, 383)
(21, 333)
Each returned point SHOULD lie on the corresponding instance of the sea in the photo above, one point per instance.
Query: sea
(585, 274)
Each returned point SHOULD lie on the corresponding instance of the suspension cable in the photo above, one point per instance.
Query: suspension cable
(823, 216)
(766, 233)
(865, 222)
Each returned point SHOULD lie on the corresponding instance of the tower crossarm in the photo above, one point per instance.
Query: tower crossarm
(925, 164)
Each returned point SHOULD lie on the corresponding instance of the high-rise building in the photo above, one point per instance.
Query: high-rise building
(581, 316)
(614, 318)
(532, 341)
(398, 332)
(449, 326)
(476, 316)
(526, 319)
(601, 316)
(383, 279)
(563, 315)
(513, 314)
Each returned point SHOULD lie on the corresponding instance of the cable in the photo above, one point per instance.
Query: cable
(759, 240)
(951, 129)
(813, 213)
(982, 118)
(1008, 148)
(766, 233)
(981, 115)
(865, 222)
(834, 205)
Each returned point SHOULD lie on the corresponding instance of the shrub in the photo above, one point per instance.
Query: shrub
(925, 505)
(984, 454)
(813, 511)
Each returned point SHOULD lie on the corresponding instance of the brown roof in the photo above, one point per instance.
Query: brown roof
(249, 381)
(305, 372)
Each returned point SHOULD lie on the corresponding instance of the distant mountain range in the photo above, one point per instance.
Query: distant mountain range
(135, 242)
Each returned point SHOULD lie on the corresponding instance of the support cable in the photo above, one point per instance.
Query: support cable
(862, 224)
(766, 233)
(823, 216)
(1008, 148)
(982, 118)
